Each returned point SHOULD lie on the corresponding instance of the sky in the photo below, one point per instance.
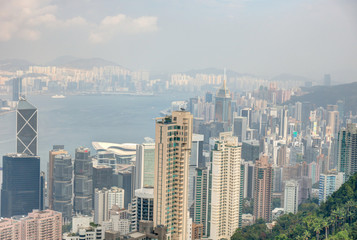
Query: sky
(265, 38)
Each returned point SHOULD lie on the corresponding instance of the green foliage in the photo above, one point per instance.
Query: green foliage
(334, 219)
(66, 227)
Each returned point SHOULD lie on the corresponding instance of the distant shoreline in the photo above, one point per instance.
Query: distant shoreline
(6, 112)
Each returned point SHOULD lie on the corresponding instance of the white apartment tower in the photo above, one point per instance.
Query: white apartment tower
(104, 200)
(226, 187)
(173, 140)
(291, 197)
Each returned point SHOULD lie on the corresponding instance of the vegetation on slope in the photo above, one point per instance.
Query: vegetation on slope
(334, 219)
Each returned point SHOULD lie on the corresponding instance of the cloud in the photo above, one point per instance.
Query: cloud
(27, 19)
(122, 24)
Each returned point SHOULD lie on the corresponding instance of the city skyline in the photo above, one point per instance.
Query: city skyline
(258, 38)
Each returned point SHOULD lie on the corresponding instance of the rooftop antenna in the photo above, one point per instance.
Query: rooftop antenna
(224, 79)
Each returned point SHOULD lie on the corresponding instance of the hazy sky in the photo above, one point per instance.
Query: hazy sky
(263, 37)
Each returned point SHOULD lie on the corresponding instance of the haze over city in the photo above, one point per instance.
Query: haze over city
(178, 119)
(264, 38)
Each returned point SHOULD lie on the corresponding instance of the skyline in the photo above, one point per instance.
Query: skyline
(297, 37)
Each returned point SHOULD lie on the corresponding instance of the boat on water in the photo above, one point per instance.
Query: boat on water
(58, 96)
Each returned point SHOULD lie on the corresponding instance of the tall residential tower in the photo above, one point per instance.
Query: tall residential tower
(173, 139)
(226, 187)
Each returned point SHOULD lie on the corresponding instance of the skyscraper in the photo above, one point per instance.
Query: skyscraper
(125, 179)
(226, 187)
(62, 188)
(250, 150)
(102, 177)
(16, 89)
(240, 128)
(196, 160)
(283, 128)
(20, 192)
(263, 189)
(173, 139)
(200, 214)
(223, 107)
(26, 128)
(248, 182)
(247, 113)
(347, 150)
(144, 166)
(83, 183)
(57, 149)
(291, 196)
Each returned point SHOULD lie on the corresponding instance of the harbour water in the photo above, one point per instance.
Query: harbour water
(80, 119)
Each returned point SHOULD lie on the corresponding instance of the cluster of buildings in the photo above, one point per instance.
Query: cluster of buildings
(226, 162)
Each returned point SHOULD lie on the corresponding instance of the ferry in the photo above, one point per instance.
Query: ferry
(58, 96)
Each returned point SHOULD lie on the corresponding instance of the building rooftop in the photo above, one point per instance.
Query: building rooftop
(23, 104)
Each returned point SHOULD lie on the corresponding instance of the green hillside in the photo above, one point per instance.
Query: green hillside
(335, 219)
(324, 95)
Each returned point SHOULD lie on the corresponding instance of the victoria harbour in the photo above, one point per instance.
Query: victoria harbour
(78, 120)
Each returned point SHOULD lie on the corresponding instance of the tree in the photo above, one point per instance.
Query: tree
(317, 225)
(326, 224)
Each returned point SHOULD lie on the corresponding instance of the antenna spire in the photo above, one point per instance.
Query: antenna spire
(224, 79)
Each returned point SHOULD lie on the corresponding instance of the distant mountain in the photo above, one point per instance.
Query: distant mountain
(12, 65)
(290, 77)
(215, 71)
(324, 95)
(81, 63)
(60, 61)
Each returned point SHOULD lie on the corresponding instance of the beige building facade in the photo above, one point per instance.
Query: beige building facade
(226, 187)
(173, 140)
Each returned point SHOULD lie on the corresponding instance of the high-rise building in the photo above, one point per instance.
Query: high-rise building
(83, 182)
(263, 189)
(102, 177)
(240, 128)
(283, 128)
(63, 185)
(223, 107)
(104, 200)
(283, 155)
(196, 160)
(173, 139)
(143, 206)
(46, 224)
(57, 149)
(347, 150)
(125, 179)
(248, 182)
(20, 192)
(10, 229)
(144, 166)
(291, 196)
(225, 190)
(333, 123)
(329, 183)
(200, 213)
(16, 89)
(247, 113)
(26, 128)
(298, 111)
(250, 150)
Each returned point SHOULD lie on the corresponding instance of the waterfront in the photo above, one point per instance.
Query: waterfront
(78, 120)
